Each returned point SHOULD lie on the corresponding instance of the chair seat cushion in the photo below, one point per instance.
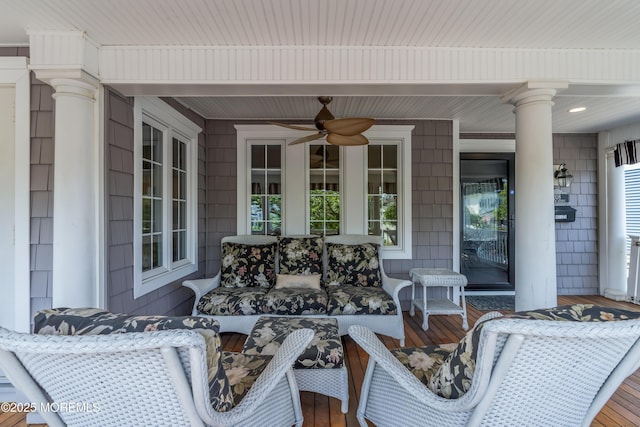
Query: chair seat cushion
(95, 321)
(232, 301)
(242, 371)
(347, 299)
(324, 351)
(295, 301)
(424, 361)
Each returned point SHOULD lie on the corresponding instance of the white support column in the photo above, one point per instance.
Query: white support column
(76, 180)
(535, 239)
(68, 61)
(615, 283)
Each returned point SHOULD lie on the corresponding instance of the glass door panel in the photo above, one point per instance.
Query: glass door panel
(486, 220)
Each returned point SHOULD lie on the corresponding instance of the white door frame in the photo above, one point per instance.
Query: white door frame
(14, 72)
(470, 146)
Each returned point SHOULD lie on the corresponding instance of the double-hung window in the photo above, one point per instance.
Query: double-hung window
(165, 196)
(321, 189)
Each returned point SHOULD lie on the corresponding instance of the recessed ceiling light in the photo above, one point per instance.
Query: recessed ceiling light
(577, 109)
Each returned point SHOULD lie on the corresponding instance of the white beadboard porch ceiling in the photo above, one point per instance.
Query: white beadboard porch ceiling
(505, 24)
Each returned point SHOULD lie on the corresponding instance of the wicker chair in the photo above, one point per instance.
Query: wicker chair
(142, 378)
(527, 372)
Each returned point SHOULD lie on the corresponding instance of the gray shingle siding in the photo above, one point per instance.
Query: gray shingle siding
(119, 133)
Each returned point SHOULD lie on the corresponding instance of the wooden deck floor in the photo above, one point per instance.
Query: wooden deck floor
(623, 409)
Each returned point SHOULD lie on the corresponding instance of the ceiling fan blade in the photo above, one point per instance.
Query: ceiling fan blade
(296, 127)
(337, 139)
(349, 126)
(307, 138)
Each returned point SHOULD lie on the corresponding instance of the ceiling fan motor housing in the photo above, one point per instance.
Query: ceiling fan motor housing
(321, 117)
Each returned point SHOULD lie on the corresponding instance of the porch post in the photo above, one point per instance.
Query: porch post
(535, 238)
(68, 61)
(75, 272)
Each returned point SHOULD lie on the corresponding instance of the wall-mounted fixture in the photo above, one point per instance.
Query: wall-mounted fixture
(562, 177)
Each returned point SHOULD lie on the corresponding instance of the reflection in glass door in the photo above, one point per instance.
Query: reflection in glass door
(487, 221)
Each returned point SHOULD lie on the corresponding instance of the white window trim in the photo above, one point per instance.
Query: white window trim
(173, 124)
(353, 215)
(401, 136)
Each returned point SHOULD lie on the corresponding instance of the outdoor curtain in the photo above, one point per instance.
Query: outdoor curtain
(626, 153)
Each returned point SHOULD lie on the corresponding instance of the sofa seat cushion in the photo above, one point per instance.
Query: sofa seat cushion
(347, 299)
(323, 352)
(357, 265)
(295, 301)
(453, 379)
(232, 301)
(95, 321)
(245, 265)
(242, 371)
(300, 255)
(424, 361)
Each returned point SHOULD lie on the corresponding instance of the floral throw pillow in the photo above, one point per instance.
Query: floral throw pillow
(95, 321)
(248, 266)
(300, 255)
(357, 265)
(453, 379)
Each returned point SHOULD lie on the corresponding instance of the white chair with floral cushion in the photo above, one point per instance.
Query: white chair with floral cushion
(538, 368)
(174, 374)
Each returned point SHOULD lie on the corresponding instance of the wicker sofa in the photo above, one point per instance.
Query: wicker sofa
(354, 287)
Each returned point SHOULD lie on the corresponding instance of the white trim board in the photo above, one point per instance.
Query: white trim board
(14, 72)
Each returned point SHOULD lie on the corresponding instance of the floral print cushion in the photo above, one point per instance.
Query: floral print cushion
(295, 301)
(347, 299)
(324, 351)
(247, 266)
(232, 301)
(578, 313)
(453, 379)
(242, 371)
(424, 361)
(357, 265)
(300, 255)
(94, 321)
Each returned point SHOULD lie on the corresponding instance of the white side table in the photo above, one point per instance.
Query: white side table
(438, 277)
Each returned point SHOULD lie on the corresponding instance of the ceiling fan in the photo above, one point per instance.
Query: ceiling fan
(346, 131)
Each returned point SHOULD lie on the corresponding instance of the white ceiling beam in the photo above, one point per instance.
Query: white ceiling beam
(295, 70)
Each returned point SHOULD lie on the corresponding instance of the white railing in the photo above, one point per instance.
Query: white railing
(493, 245)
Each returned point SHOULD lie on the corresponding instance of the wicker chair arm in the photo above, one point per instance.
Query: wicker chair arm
(488, 316)
(200, 287)
(393, 286)
(275, 371)
(379, 354)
